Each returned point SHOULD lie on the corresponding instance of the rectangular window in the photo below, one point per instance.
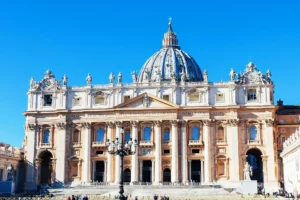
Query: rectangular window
(166, 97)
(127, 136)
(251, 95)
(166, 151)
(76, 101)
(47, 100)
(99, 152)
(126, 98)
(195, 150)
(99, 100)
(220, 98)
(194, 97)
(166, 136)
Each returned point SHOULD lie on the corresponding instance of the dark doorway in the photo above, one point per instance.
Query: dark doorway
(46, 167)
(255, 160)
(99, 172)
(196, 170)
(127, 176)
(167, 175)
(147, 168)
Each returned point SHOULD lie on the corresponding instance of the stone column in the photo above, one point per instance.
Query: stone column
(94, 170)
(86, 169)
(134, 158)
(207, 151)
(174, 172)
(78, 169)
(61, 152)
(109, 156)
(105, 172)
(184, 177)
(157, 152)
(202, 171)
(30, 181)
(233, 150)
(141, 170)
(269, 142)
(153, 170)
(117, 158)
(190, 170)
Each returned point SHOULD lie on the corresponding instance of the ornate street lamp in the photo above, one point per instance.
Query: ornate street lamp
(121, 149)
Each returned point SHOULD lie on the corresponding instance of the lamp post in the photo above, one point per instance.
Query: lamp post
(121, 149)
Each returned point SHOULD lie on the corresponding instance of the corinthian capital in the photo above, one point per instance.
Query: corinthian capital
(174, 122)
(232, 122)
(134, 123)
(110, 124)
(61, 126)
(119, 123)
(206, 122)
(183, 123)
(32, 127)
(157, 123)
(86, 125)
(269, 122)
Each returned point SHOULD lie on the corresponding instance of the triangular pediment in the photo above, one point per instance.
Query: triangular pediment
(145, 101)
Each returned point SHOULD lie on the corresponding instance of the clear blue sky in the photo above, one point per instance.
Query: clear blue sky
(80, 37)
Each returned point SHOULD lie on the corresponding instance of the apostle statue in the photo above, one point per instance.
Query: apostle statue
(119, 78)
(205, 76)
(31, 83)
(10, 173)
(158, 76)
(146, 76)
(133, 74)
(232, 74)
(247, 171)
(111, 78)
(183, 76)
(269, 75)
(89, 79)
(65, 80)
(173, 77)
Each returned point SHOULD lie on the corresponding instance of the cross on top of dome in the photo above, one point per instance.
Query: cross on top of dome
(170, 38)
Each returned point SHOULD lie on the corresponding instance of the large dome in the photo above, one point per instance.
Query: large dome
(170, 61)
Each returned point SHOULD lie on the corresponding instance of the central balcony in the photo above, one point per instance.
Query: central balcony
(146, 143)
(46, 145)
(195, 143)
(253, 142)
(98, 144)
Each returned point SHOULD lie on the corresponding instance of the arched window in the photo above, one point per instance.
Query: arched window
(46, 138)
(100, 135)
(195, 133)
(167, 135)
(147, 133)
(253, 133)
(127, 135)
(76, 136)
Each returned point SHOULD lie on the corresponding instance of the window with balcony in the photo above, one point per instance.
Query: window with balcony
(46, 137)
(100, 135)
(167, 135)
(47, 100)
(253, 133)
(147, 134)
(195, 133)
(251, 95)
(127, 136)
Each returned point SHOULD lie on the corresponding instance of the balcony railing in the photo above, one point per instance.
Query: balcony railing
(146, 143)
(167, 142)
(253, 142)
(46, 145)
(9, 154)
(221, 142)
(76, 144)
(195, 142)
(98, 144)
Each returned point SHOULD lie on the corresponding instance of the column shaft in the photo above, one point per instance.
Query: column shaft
(157, 152)
(109, 156)
(174, 173)
(86, 169)
(153, 170)
(233, 150)
(61, 153)
(117, 158)
(270, 153)
(207, 152)
(202, 171)
(134, 158)
(183, 153)
(141, 170)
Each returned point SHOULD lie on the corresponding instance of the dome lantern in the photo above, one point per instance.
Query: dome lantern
(170, 38)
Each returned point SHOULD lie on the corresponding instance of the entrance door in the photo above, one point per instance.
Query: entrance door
(46, 168)
(196, 171)
(254, 159)
(127, 176)
(147, 168)
(167, 175)
(99, 173)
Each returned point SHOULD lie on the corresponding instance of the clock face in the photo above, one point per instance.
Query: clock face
(252, 76)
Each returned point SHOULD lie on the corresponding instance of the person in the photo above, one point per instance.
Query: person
(69, 198)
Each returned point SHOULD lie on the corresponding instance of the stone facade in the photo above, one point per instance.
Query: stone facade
(188, 129)
(8, 156)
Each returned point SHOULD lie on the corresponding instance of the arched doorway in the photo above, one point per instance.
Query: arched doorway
(255, 160)
(167, 175)
(99, 174)
(46, 167)
(127, 175)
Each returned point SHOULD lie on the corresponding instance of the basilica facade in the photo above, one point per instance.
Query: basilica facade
(187, 128)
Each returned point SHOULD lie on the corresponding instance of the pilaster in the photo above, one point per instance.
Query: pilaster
(233, 150)
(61, 152)
(86, 169)
(109, 156)
(157, 152)
(184, 170)
(207, 150)
(134, 158)
(174, 172)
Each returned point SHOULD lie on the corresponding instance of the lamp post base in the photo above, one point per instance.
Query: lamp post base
(121, 197)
